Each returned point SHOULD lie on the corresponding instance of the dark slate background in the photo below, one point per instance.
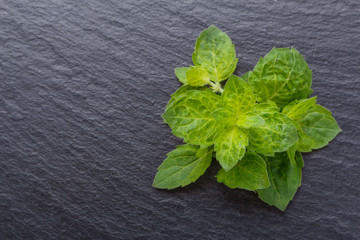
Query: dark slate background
(82, 88)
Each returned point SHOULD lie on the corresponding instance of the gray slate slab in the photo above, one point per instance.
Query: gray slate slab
(82, 88)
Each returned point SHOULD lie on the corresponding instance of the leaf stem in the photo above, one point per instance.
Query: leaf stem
(216, 87)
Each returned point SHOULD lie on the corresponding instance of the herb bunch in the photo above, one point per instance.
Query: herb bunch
(256, 125)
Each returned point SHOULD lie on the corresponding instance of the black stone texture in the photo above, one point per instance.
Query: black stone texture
(82, 88)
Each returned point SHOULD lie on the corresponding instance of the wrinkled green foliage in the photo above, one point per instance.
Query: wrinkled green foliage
(238, 96)
(224, 116)
(259, 123)
(189, 116)
(274, 129)
(197, 76)
(230, 146)
(181, 74)
(291, 152)
(316, 126)
(215, 51)
(281, 76)
(285, 178)
(250, 174)
(255, 125)
(183, 166)
(246, 76)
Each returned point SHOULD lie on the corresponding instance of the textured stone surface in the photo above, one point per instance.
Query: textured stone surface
(82, 87)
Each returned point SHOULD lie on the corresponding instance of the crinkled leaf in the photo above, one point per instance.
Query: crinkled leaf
(268, 107)
(224, 116)
(180, 92)
(182, 166)
(285, 178)
(289, 106)
(291, 152)
(268, 132)
(238, 96)
(189, 115)
(250, 173)
(181, 74)
(246, 76)
(281, 76)
(298, 109)
(316, 126)
(215, 51)
(197, 76)
(230, 144)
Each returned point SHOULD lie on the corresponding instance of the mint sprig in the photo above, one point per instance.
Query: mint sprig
(257, 125)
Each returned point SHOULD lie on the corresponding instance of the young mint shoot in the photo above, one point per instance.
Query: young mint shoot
(256, 125)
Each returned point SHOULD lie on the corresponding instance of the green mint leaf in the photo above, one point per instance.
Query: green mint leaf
(285, 178)
(183, 90)
(236, 99)
(268, 132)
(189, 115)
(181, 74)
(281, 76)
(268, 107)
(182, 166)
(180, 93)
(197, 76)
(230, 144)
(287, 108)
(250, 173)
(224, 116)
(266, 112)
(297, 109)
(291, 152)
(215, 51)
(246, 76)
(316, 126)
(238, 96)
